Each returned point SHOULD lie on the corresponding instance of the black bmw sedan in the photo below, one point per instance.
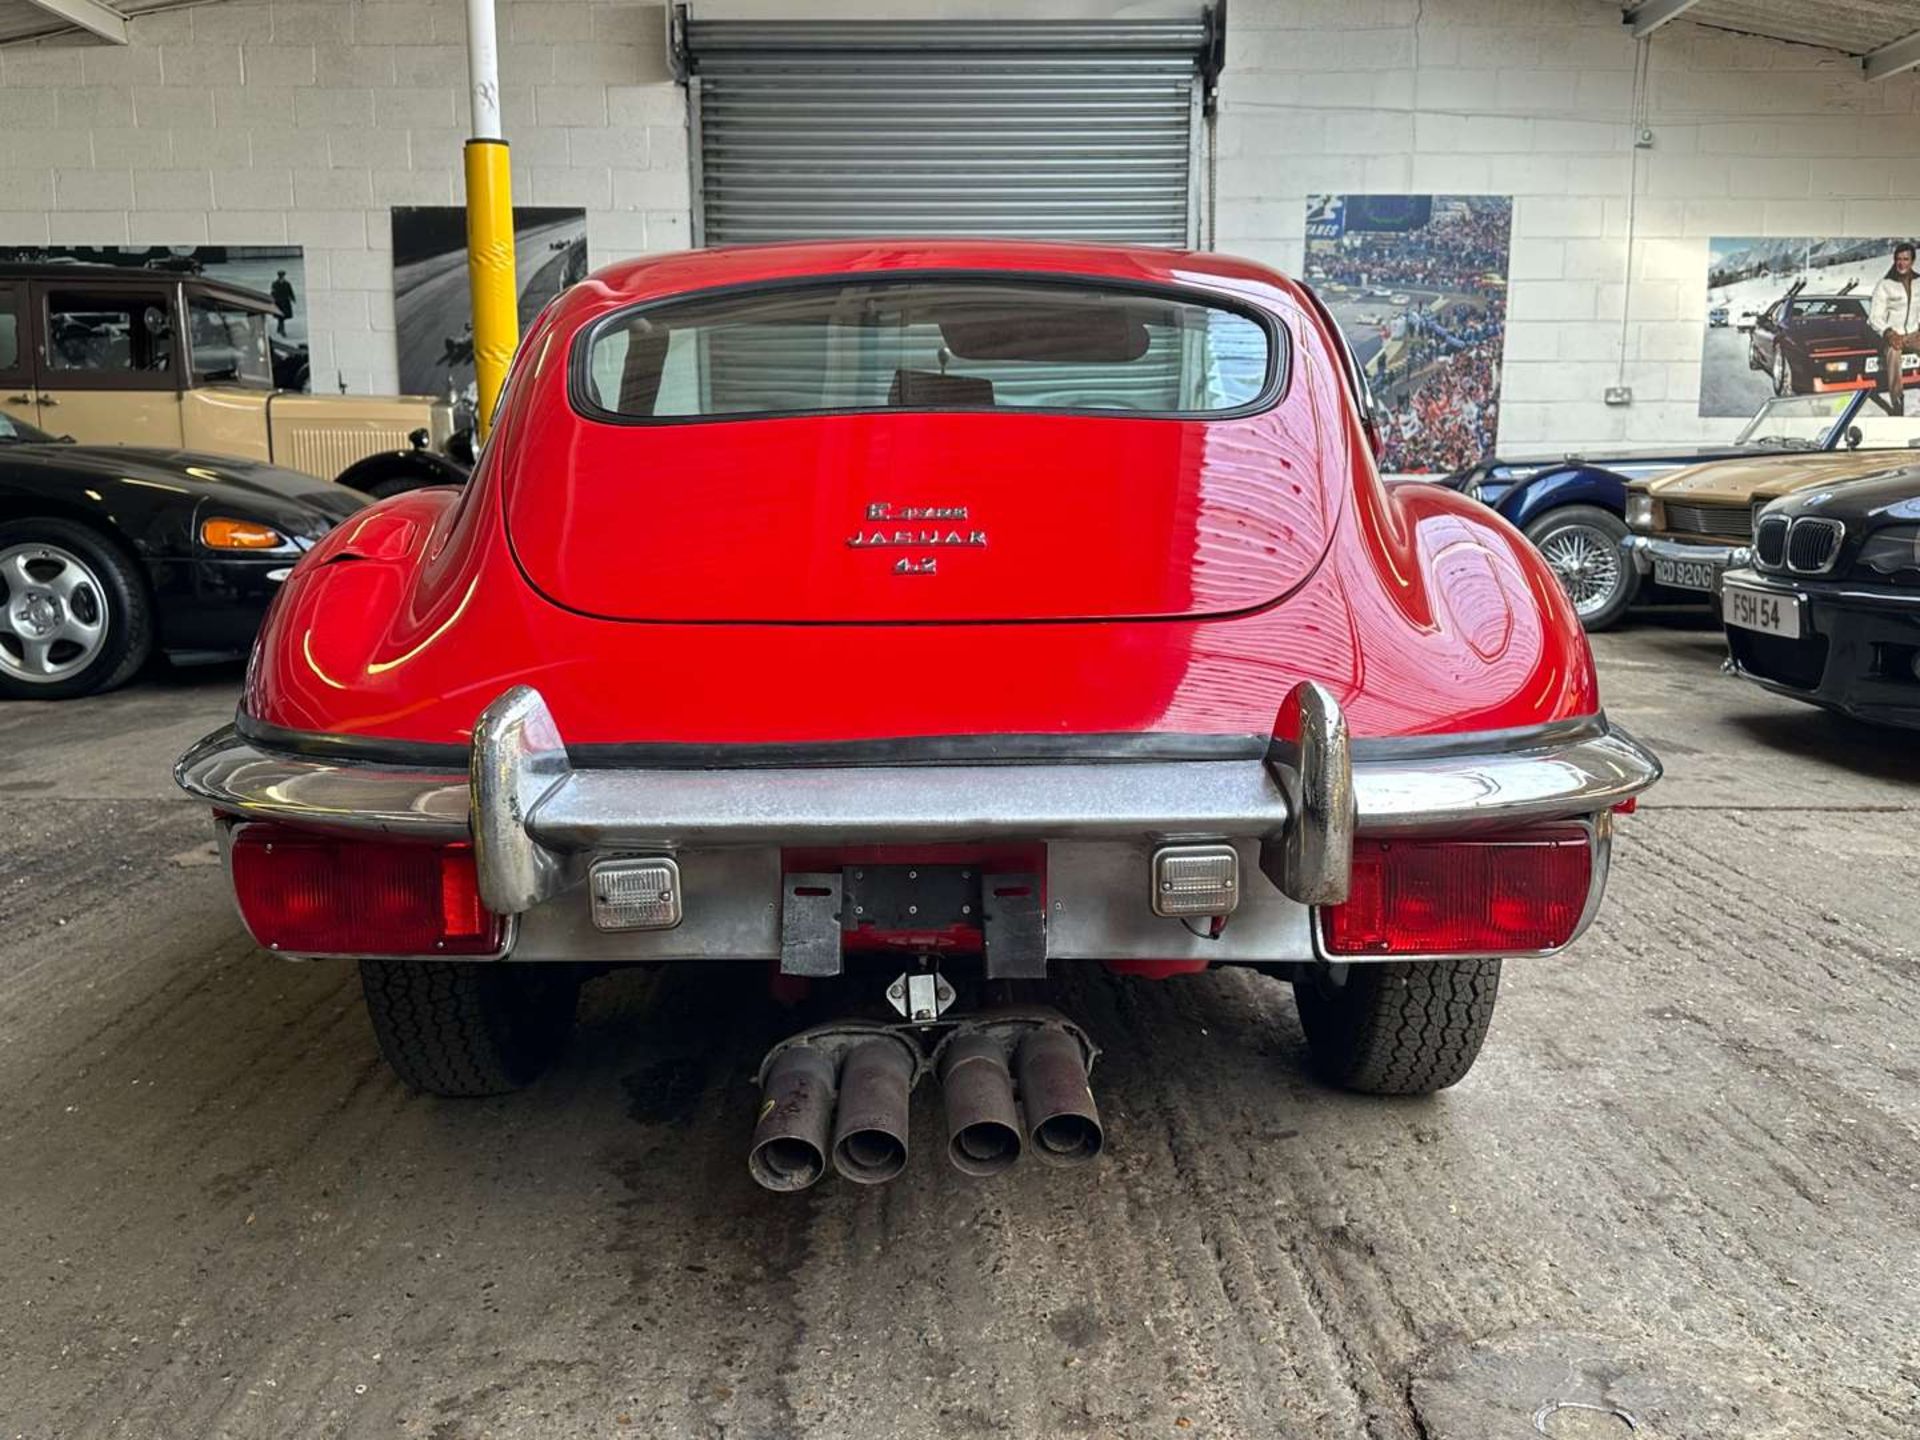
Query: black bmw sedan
(1829, 612)
(110, 553)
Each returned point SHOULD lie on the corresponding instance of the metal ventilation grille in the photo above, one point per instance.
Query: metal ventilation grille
(1067, 130)
(1813, 544)
(1854, 26)
(325, 452)
(1770, 541)
(1731, 522)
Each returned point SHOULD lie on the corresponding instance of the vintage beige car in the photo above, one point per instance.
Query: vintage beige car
(1691, 525)
(117, 356)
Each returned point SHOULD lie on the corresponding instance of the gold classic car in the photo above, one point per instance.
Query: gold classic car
(109, 355)
(1689, 526)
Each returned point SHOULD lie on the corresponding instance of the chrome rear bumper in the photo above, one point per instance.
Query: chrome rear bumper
(1644, 550)
(536, 819)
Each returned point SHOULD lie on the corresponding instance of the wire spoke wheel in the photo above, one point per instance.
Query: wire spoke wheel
(53, 614)
(1587, 564)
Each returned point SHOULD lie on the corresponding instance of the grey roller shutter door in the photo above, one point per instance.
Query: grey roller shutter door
(1036, 129)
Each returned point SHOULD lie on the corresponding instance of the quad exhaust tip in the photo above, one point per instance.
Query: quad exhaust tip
(796, 1111)
(1011, 1083)
(983, 1119)
(1062, 1119)
(870, 1126)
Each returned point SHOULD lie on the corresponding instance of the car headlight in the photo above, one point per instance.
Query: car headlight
(1642, 512)
(1889, 551)
(221, 532)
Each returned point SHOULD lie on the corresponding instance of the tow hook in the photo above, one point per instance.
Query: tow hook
(1013, 1080)
(920, 998)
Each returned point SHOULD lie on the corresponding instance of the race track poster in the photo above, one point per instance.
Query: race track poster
(1793, 315)
(1418, 285)
(432, 307)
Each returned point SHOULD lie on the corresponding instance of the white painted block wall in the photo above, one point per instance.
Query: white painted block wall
(304, 121)
(1533, 98)
(259, 121)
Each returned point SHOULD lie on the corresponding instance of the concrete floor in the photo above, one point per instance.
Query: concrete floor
(1684, 1180)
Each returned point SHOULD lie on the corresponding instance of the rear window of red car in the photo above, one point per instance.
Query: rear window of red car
(939, 343)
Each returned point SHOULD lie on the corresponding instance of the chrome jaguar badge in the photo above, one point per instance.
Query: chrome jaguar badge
(896, 536)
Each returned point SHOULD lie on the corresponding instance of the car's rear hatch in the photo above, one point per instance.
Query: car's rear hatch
(946, 446)
(920, 517)
(1820, 333)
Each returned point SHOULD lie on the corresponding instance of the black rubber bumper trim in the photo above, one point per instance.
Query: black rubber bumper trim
(1092, 749)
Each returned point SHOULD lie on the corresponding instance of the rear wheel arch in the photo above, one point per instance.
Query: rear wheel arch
(34, 507)
(24, 507)
(398, 471)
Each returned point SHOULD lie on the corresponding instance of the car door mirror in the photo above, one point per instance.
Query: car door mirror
(1854, 436)
(156, 321)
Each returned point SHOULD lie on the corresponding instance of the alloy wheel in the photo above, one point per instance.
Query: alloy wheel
(1587, 564)
(53, 619)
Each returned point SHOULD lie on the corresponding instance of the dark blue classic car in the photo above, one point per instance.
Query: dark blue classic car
(1573, 507)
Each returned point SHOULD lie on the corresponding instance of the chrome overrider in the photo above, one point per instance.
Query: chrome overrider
(536, 819)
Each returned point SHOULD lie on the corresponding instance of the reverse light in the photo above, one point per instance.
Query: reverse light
(1195, 880)
(219, 532)
(311, 894)
(639, 894)
(1493, 895)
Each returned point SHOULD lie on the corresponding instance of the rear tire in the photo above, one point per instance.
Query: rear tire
(469, 1028)
(1398, 1028)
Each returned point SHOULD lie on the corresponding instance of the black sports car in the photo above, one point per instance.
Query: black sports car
(1830, 610)
(1811, 344)
(108, 553)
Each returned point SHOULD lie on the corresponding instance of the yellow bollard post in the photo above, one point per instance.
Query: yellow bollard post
(496, 295)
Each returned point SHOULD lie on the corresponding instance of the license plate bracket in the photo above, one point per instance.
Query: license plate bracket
(910, 897)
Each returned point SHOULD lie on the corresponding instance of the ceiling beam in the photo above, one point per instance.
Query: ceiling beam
(1892, 59)
(89, 15)
(1650, 15)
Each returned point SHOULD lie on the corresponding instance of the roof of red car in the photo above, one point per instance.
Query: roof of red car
(685, 270)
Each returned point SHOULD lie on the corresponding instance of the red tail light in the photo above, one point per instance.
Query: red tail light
(1498, 895)
(307, 894)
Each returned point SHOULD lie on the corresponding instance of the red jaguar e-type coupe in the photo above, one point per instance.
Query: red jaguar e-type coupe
(923, 618)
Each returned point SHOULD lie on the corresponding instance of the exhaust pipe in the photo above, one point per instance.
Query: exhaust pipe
(983, 1123)
(796, 1110)
(1063, 1123)
(870, 1128)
